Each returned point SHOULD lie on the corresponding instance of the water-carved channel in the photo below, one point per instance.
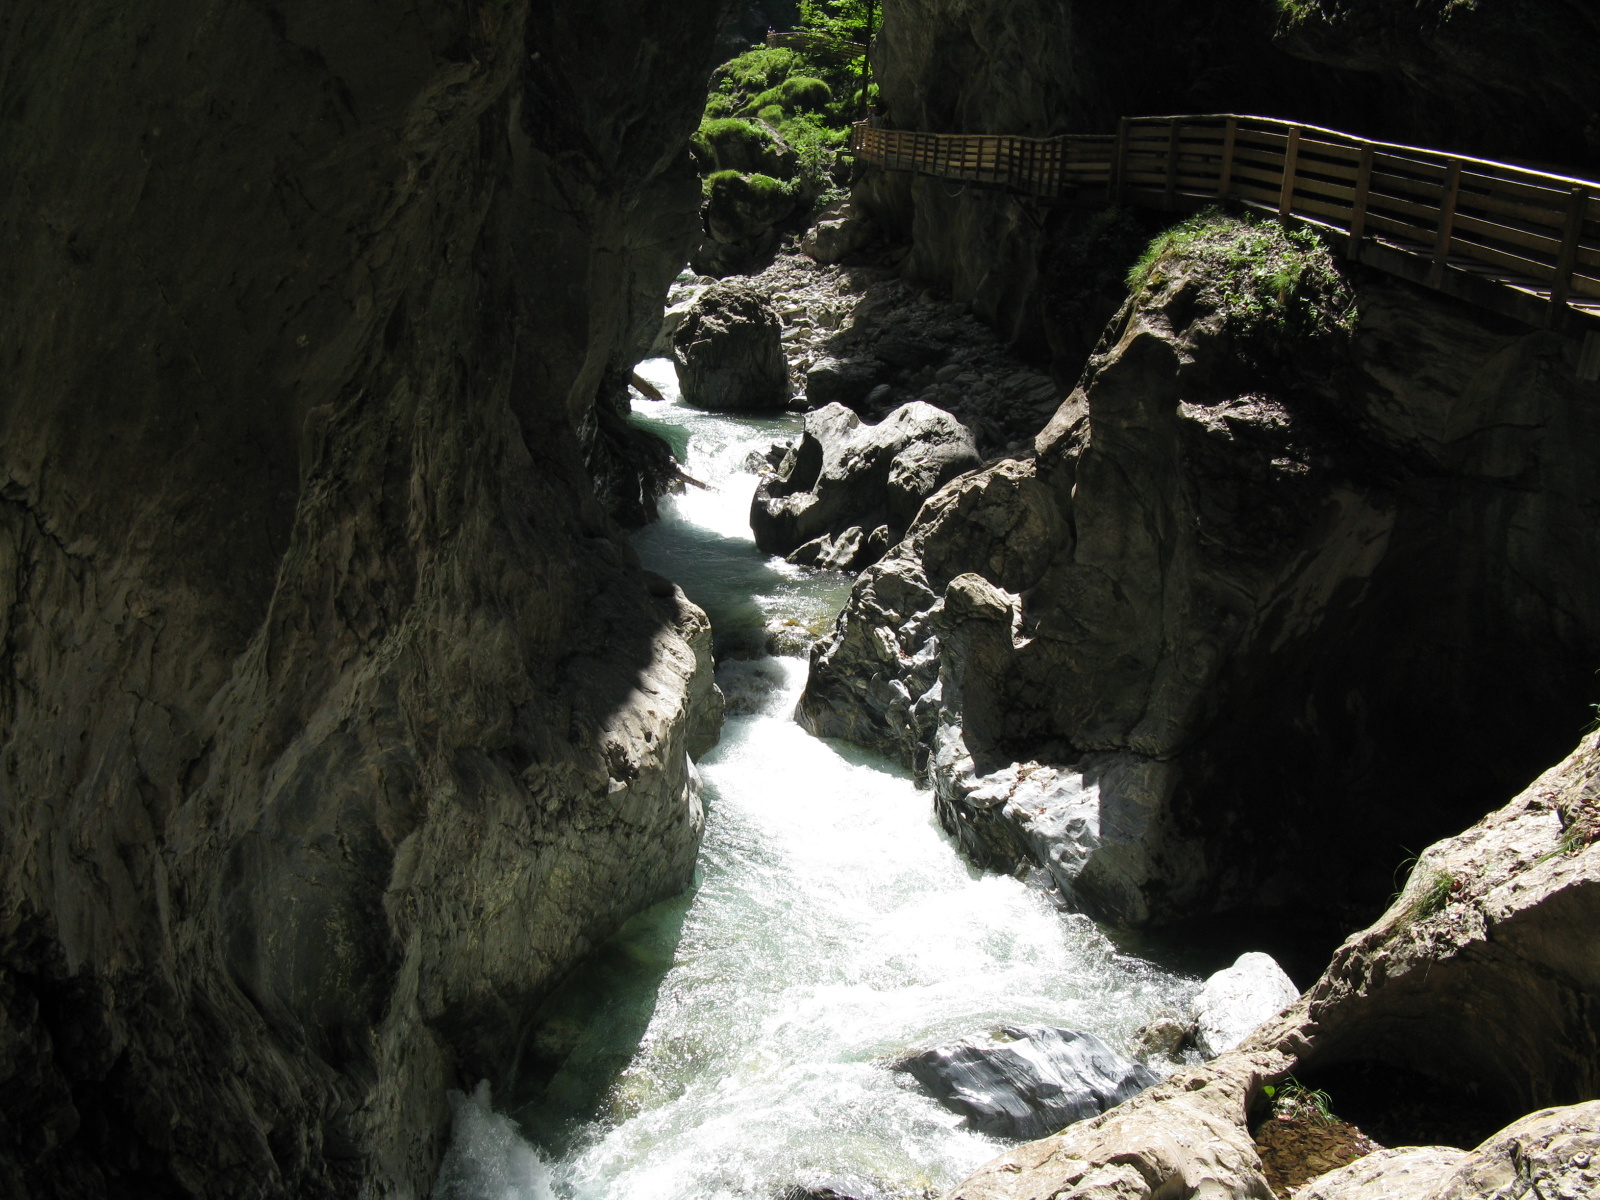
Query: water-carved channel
(734, 1042)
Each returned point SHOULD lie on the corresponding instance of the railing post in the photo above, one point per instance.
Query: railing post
(1447, 223)
(1567, 261)
(1170, 200)
(1358, 211)
(1119, 164)
(1225, 175)
(1291, 163)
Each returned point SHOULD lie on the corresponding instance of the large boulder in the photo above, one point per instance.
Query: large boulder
(729, 351)
(847, 381)
(1235, 1001)
(848, 474)
(1026, 1082)
(840, 230)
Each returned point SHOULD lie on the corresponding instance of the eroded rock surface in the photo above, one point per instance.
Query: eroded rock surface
(848, 476)
(1234, 1001)
(1488, 984)
(1127, 658)
(1026, 1082)
(729, 351)
(338, 719)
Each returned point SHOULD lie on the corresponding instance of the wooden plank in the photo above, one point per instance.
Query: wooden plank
(1358, 207)
(1257, 175)
(1322, 187)
(1420, 235)
(1225, 176)
(1344, 173)
(1525, 267)
(1261, 139)
(1400, 165)
(1542, 244)
(1340, 151)
(1338, 212)
(1567, 259)
(1501, 184)
(1390, 184)
(1447, 221)
(1172, 164)
(1251, 192)
(1427, 214)
(1119, 163)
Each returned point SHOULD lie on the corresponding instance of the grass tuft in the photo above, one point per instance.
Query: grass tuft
(1264, 280)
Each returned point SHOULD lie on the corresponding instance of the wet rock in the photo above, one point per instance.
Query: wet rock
(1162, 1038)
(729, 352)
(846, 552)
(845, 473)
(1482, 986)
(1235, 1001)
(839, 232)
(1027, 1081)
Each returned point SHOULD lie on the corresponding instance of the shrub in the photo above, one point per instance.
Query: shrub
(803, 93)
(755, 71)
(1263, 280)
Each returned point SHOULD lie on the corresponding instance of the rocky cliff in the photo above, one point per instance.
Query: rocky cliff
(1491, 78)
(1296, 578)
(338, 719)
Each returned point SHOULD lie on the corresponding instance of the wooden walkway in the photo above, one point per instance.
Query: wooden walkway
(1521, 242)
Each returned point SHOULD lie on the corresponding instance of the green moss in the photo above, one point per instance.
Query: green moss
(753, 188)
(1265, 281)
(773, 114)
(755, 71)
(803, 93)
(722, 135)
(718, 105)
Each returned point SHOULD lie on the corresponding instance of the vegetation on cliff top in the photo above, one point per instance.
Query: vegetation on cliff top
(1267, 283)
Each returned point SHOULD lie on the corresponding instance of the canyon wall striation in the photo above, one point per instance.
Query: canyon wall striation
(338, 718)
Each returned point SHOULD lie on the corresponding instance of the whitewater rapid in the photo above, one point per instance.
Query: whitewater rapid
(734, 1043)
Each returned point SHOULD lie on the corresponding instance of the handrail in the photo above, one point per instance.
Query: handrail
(1450, 221)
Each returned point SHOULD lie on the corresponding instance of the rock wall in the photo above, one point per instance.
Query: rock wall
(1491, 79)
(338, 719)
(1250, 621)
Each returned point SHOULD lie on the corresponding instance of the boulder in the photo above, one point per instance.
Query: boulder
(840, 231)
(729, 352)
(845, 473)
(1407, 1173)
(1235, 1001)
(1027, 1081)
(846, 381)
(1486, 986)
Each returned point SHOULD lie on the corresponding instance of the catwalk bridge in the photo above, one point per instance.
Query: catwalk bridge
(1522, 242)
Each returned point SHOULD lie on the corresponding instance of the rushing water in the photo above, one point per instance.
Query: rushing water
(733, 1042)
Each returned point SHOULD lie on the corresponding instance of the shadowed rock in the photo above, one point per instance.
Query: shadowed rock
(729, 352)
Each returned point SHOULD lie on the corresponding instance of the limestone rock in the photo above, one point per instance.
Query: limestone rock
(1408, 1173)
(1025, 1082)
(1482, 986)
(1235, 1001)
(840, 231)
(1191, 535)
(842, 381)
(339, 721)
(845, 473)
(729, 352)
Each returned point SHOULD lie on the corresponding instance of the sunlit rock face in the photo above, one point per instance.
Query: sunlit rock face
(1239, 633)
(338, 720)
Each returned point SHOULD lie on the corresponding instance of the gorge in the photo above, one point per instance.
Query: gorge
(414, 781)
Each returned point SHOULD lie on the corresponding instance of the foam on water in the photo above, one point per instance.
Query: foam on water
(741, 1045)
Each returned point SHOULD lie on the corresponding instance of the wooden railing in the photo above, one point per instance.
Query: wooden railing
(1449, 221)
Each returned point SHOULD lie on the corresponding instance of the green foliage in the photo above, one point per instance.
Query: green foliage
(772, 114)
(805, 93)
(843, 20)
(1294, 1101)
(1438, 888)
(755, 71)
(753, 188)
(718, 106)
(718, 136)
(1269, 283)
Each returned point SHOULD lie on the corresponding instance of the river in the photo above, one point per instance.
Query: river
(733, 1043)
